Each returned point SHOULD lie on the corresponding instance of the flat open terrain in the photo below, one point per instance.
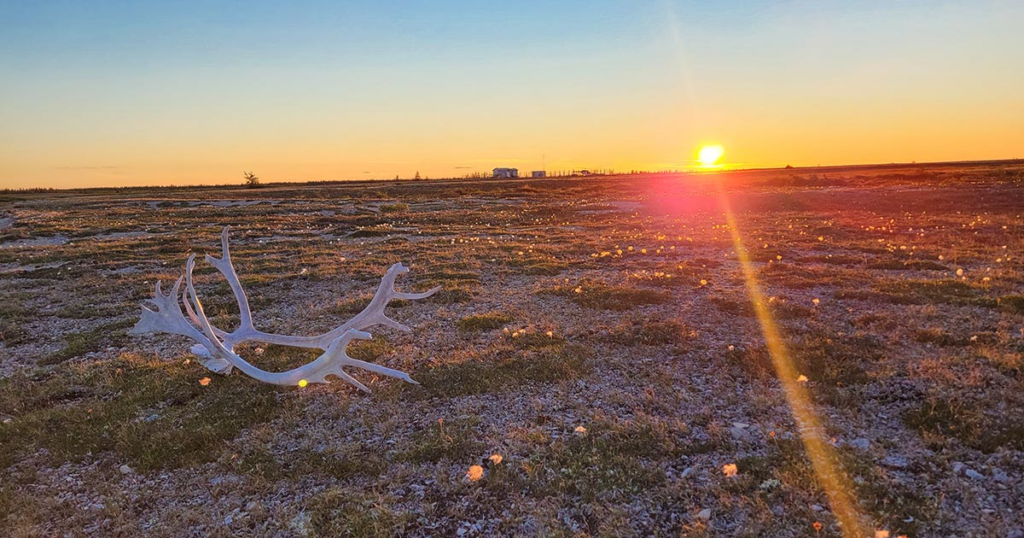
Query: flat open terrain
(597, 333)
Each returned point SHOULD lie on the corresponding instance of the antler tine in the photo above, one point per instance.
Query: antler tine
(167, 318)
(223, 264)
(373, 314)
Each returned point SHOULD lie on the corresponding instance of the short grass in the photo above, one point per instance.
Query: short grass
(610, 460)
(607, 297)
(80, 343)
(483, 322)
(338, 511)
(650, 332)
(971, 422)
(478, 376)
(452, 439)
(153, 414)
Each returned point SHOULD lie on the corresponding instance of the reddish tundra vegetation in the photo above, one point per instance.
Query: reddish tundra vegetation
(593, 365)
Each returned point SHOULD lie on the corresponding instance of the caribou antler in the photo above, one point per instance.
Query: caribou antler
(216, 347)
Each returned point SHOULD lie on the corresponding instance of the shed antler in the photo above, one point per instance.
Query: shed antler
(216, 347)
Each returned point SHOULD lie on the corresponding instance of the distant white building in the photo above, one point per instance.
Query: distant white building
(538, 173)
(506, 172)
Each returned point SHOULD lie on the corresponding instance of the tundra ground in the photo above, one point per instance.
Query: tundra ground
(596, 333)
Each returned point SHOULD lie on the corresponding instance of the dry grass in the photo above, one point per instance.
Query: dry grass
(597, 333)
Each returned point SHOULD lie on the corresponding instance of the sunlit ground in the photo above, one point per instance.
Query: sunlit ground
(643, 355)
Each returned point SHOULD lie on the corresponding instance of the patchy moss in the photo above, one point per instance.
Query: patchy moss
(80, 343)
(13, 317)
(477, 377)
(88, 311)
(778, 308)
(751, 360)
(1013, 304)
(649, 332)
(831, 362)
(613, 459)
(451, 296)
(370, 350)
(940, 337)
(153, 413)
(342, 512)
(952, 416)
(892, 504)
(935, 291)
(907, 265)
(532, 340)
(350, 307)
(340, 465)
(398, 207)
(537, 265)
(449, 278)
(604, 297)
(483, 322)
(834, 360)
(452, 439)
(733, 307)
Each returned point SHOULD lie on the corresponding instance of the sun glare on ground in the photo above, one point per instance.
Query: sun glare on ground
(710, 155)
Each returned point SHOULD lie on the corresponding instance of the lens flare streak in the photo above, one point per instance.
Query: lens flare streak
(826, 466)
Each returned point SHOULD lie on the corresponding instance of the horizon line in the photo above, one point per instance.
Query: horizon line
(720, 169)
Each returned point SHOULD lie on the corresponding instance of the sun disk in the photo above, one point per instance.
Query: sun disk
(709, 155)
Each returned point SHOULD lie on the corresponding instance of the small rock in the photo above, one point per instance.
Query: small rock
(894, 462)
(816, 507)
(250, 506)
(971, 473)
(860, 443)
(125, 469)
(300, 524)
(1000, 476)
(687, 472)
(228, 519)
(704, 514)
(958, 467)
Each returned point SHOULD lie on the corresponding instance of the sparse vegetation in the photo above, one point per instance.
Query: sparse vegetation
(398, 207)
(647, 332)
(558, 363)
(251, 181)
(601, 296)
(484, 322)
(610, 406)
(153, 413)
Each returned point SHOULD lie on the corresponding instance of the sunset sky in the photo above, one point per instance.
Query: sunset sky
(133, 93)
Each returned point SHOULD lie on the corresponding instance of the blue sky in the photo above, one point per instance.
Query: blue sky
(187, 92)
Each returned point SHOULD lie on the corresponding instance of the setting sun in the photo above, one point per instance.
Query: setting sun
(709, 156)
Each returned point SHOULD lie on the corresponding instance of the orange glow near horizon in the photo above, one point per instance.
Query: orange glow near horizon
(92, 101)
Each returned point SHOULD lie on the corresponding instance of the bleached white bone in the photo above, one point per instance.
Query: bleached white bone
(215, 347)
